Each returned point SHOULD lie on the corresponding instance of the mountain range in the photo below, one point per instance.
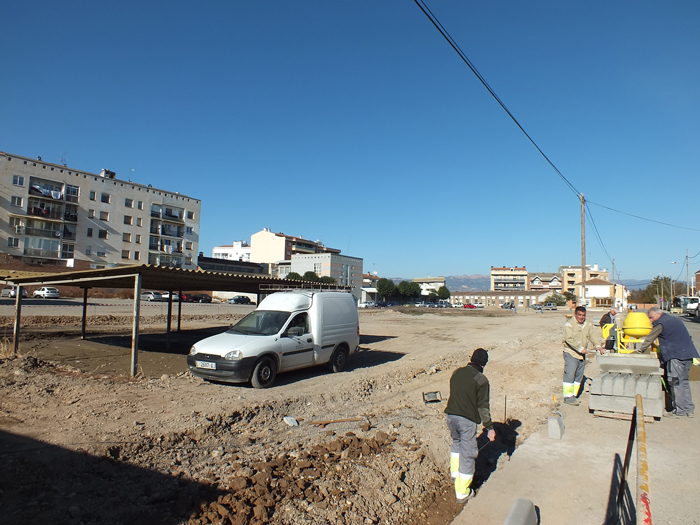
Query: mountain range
(477, 283)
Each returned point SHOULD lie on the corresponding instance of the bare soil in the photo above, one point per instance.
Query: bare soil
(82, 442)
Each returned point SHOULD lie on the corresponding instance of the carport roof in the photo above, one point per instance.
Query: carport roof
(152, 277)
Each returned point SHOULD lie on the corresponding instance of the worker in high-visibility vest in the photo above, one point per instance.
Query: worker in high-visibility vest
(579, 334)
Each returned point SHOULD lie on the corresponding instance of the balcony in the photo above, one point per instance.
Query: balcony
(172, 233)
(70, 217)
(173, 217)
(155, 230)
(67, 234)
(42, 232)
(36, 252)
(46, 213)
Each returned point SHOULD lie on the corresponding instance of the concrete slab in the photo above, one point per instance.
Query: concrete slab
(570, 480)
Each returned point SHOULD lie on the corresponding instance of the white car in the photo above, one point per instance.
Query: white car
(367, 304)
(151, 296)
(47, 292)
(166, 295)
(10, 291)
(692, 309)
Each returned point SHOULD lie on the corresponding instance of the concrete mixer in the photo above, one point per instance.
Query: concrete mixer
(624, 372)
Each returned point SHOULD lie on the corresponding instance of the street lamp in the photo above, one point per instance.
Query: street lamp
(672, 292)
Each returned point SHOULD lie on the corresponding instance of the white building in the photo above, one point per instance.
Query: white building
(238, 251)
(55, 215)
(347, 271)
(430, 284)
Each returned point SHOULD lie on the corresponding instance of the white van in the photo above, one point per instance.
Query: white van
(289, 330)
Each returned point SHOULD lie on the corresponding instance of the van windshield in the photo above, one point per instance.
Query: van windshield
(260, 322)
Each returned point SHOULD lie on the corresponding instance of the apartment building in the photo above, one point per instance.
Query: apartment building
(571, 277)
(545, 281)
(55, 215)
(504, 278)
(267, 246)
(346, 270)
(238, 251)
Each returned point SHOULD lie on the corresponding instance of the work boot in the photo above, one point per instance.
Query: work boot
(467, 497)
(572, 401)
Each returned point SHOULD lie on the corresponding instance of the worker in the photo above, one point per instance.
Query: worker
(467, 407)
(609, 317)
(676, 353)
(578, 335)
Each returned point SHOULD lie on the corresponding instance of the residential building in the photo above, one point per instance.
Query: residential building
(238, 251)
(215, 264)
(571, 275)
(267, 246)
(599, 292)
(347, 271)
(369, 288)
(56, 215)
(504, 278)
(430, 284)
(522, 299)
(545, 281)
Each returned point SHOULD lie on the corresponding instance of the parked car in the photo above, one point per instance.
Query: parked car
(381, 304)
(151, 296)
(204, 298)
(536, 307)
(506, 306)
(10, 291)
(288, 331)
(46, 292)
(549, 306)
(239, 299)
(479, 305)
(187, 297)
(365, 304)
(468, 305)
(165, 296)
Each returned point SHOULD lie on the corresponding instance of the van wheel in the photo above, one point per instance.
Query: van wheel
(339, 361)
(264, 373)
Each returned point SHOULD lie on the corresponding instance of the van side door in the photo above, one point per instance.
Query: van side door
(297, 343)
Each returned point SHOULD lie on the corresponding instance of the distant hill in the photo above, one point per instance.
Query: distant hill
(459, 283)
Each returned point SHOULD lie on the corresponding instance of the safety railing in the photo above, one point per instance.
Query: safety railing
(638, 432)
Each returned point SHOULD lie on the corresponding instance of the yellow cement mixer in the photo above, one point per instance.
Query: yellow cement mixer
(628, 340)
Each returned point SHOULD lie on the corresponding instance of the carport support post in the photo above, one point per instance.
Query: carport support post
(18, 312)
(179, 309)
(135, 329)
(82, 324)
(168, 322)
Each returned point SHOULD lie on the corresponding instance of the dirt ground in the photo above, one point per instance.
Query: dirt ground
(81, 442)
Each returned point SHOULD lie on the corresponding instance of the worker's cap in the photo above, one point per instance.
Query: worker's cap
(480, 357)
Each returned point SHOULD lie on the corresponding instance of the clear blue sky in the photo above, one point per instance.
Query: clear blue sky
(353, 122)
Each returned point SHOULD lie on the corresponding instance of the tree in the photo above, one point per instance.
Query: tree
(404, 288)
(326, 279)
(385, 288)
(443, 293)
(310, 277)
(555, 298)
(570, 296)
(294, 276)
(415, 289)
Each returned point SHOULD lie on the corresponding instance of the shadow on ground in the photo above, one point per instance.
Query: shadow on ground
(490, 452)
(43, 483)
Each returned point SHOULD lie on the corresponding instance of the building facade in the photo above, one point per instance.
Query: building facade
(347, 271)
(571, 277)
(429, 284)
(238, 251)
(509, 279)
(522, 299)
(55, 215)
(545, 281)
(268, 246)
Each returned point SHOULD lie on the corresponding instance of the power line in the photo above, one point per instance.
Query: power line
(465, 59)
(644, 218)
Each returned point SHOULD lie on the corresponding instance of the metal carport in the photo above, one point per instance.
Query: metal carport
(140, 277)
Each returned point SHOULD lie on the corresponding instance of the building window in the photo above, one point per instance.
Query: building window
(139, 205)
(104, 216)
(102, 234)
(190, 215)
(72, 193)
(13, 242)
(139, 221)
(126, 237)
(16, 201)
(101, 253)
(105, 198)
(188, 260)
(317, 268)
(18, 180)
(188, 246)
(88, 250)
(137, 256)
(190, 229)
(129, 203)
(125, 254)
(92, 195)
(137, 239)
(91, 214)
(89, 232)
(127, 219)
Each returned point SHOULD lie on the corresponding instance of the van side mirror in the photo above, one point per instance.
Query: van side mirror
(295, 331)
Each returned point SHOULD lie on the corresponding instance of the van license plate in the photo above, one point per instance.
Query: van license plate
(205, 364)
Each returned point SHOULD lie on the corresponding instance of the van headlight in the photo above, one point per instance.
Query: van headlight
(193, 350)
(234, 355)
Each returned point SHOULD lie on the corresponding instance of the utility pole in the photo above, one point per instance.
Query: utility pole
(613, 281)
(687, 271)
(583, 251)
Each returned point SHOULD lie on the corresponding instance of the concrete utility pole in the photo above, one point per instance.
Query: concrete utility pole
(687, 271)
(583, 251)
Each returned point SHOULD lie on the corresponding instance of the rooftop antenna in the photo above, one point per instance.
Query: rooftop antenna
(63, 159)
(132, 170)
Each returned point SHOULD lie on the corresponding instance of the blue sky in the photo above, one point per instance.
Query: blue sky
(353, 122)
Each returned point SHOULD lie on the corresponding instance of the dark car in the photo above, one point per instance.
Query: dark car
(202, 298)
(240, 299)
(187, 297)
(381, 304)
